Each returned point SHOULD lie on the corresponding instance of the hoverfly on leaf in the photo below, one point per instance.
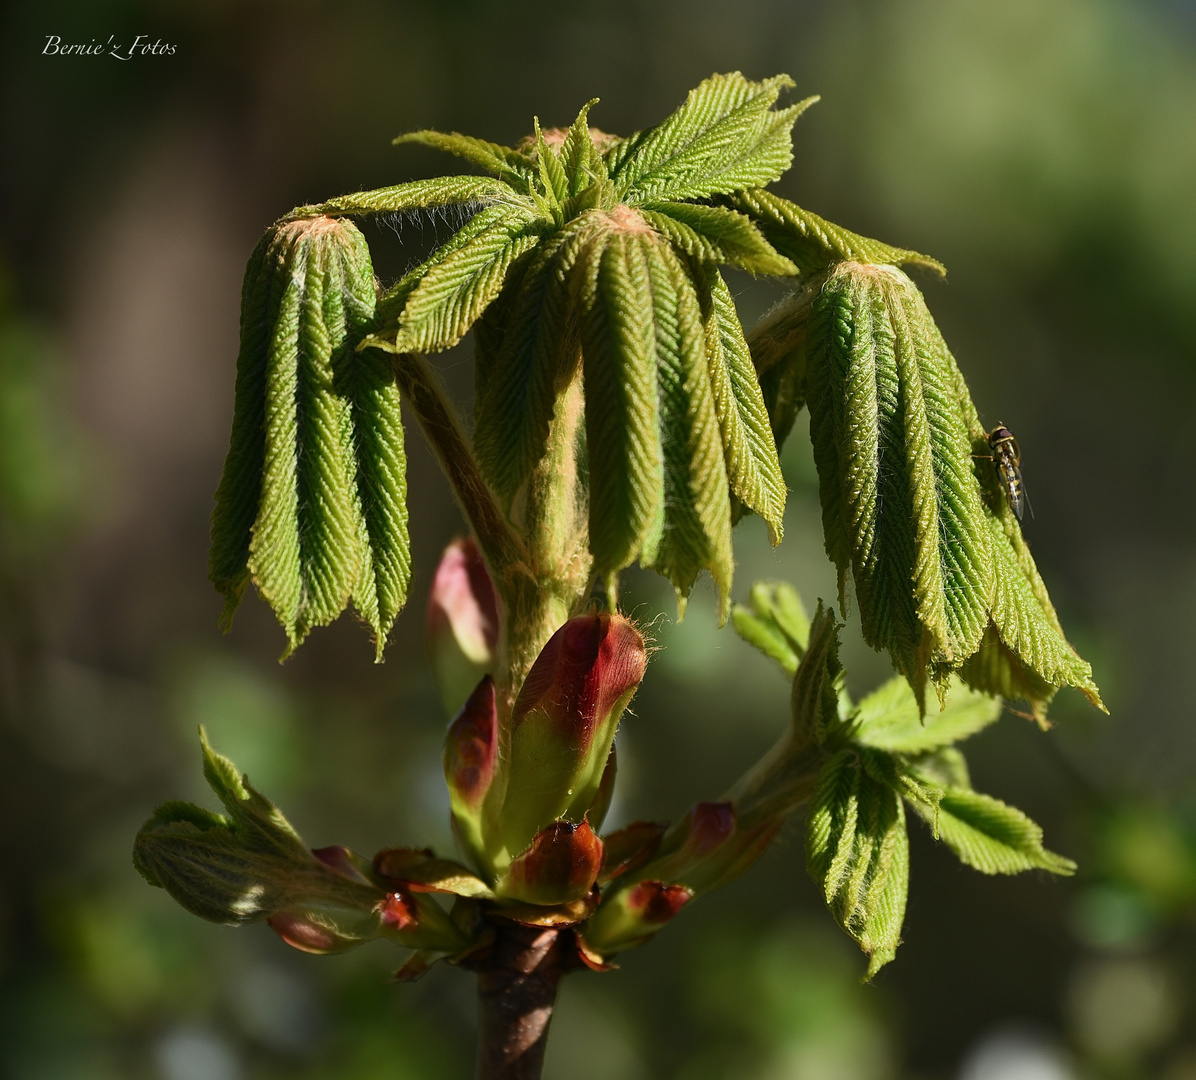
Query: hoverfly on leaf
(1007, 459)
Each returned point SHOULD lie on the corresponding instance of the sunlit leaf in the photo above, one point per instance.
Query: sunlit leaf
(889, 718)
(724, 137)
(857, 851)
(753, 468)
(814, 243)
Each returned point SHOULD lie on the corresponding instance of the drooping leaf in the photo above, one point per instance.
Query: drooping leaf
(753, 467)
(778, 350)
(717, 235)
(859, 449)
(480, 191)
(512, 166)
(539, 344)
(311, 505)
(992, 837)
(889, 718)
(814, 243)
(382, 587)
(724, 137)
(239, 494)
(1023, 653)
(626, 468)
(857, 851)
(901, 506)
(695, 532)
(456, 290)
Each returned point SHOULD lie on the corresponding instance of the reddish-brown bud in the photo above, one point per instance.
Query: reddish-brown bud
(461, 623)
(560, 866)
(564, 721)
(631, 916)
(308, 936)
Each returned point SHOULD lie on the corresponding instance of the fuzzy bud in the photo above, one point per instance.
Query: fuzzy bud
(564, 721)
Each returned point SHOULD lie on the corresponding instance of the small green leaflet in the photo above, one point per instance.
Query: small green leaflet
(857, 850)
(723, 138)
(775, 622)
(990, 836)
(889, 718)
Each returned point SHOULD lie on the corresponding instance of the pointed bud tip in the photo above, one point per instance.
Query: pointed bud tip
(471, 745)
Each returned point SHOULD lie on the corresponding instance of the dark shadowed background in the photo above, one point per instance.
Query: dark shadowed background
(1045, 150)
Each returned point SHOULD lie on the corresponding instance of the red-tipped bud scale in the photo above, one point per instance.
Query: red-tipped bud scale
(564, 721)
(633, 915)
(461, 623)
(470, 757)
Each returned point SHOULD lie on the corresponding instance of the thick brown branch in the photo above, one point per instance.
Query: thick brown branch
(517, 984)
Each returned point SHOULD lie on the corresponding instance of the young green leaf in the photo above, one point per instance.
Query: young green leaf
(622, 412)
(538, 348)
(814, 700)
(813, 243)
(695, 532)
(775, 623)
(477, 191)
(857, 851)
(903, 508)
(311, 504)
(990, 836)
(889, 718)
(724, 137)
(753, 468)
(579, 157)
(514, 167)
(451, 295)
(714, 234)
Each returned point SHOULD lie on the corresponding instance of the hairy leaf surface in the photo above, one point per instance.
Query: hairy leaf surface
(695, 531)
(813, 243)
(724, 137)
(857, 851)
(312, 502)
(753, 467)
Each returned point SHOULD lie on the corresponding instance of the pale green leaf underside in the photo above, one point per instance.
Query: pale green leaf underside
(889, 718)
(714, 234)
(990, 836)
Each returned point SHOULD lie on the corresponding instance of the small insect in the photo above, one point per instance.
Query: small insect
(1007, 459)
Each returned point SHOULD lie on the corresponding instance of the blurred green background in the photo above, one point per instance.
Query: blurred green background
(1044, 149)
